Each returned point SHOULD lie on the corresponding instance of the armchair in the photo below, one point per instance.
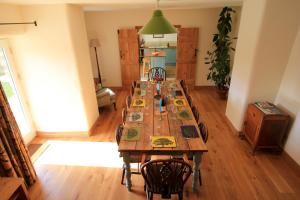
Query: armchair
(105, 97)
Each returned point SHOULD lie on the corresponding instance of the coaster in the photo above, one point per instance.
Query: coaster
(132, 134)
(179, 102)
(163, 141)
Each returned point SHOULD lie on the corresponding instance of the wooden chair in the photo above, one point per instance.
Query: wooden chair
(146, 65)
(195, 113)
(204, 131)
(184, 87)
(157, 73)
(165, 177)
(132, 90)
(133, 159)
(133, 84)
(128, 101)
(204, 135)
(189, 99)
(124, 114)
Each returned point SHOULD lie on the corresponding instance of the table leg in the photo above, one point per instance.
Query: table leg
(126, 159)
(196, 160)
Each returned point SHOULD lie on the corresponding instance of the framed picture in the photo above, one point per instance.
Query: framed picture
(158, 36)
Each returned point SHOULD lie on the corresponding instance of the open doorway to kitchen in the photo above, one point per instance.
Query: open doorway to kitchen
(158, 51)
(8, 79)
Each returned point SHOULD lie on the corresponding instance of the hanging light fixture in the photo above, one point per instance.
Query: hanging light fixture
(158, 24)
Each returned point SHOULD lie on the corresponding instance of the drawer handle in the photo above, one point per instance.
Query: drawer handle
(253, 114)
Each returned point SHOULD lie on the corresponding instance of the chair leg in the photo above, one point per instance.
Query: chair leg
(149, 194)
(200, 179)
(115, 106)
(180, 195)
(123, 174)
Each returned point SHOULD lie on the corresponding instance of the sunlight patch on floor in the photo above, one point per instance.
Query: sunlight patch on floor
(77, 153)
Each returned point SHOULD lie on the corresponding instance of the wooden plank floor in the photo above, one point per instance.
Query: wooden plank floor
(229, 171)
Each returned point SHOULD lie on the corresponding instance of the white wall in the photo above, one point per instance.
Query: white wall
(47, 59)
(8, 14)
(264, 43)
(84, 70)
(104, 26)
(288, 98)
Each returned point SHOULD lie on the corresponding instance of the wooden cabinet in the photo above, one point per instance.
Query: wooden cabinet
(264, 129)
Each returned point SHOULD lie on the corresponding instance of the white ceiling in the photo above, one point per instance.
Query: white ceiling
(91, 5)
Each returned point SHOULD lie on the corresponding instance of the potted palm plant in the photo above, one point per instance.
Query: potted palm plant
(219, 57)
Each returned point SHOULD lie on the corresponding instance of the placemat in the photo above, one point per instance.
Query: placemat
(132, 134)
(163, 141)
(135, 117)
(138, 103)
(184, 115)
(189, 131)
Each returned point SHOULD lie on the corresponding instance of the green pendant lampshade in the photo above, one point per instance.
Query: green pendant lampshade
(158, 24)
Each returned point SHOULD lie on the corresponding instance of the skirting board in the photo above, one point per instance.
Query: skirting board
(197, 87)
(61, 134)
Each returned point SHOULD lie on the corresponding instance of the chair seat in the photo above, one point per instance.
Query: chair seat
(105, 96)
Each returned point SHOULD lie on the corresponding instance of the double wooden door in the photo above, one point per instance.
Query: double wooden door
(186, 61)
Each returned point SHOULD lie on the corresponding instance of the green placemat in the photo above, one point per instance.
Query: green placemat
(184, 115)
(132, 134)
(135, 117)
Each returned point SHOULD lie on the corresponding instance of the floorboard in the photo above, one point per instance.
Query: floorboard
(229, 170)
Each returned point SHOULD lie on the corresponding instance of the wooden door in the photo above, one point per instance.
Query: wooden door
(187, 48)
(129, 55)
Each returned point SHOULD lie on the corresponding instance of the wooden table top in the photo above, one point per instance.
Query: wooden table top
(166, 124)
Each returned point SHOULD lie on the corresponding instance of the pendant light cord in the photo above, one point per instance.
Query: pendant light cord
(157, 4)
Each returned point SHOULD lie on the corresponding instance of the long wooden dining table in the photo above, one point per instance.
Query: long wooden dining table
(156, 123)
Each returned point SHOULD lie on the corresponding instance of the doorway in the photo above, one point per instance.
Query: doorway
(158, 51)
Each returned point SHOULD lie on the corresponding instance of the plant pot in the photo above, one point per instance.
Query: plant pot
(222, 92)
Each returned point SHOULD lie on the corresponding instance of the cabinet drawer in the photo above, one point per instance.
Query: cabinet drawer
(254, 114)
(252, 123)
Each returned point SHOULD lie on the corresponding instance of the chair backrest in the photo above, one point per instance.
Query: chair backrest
(128, 101)
(124, 113)
(118, 133)
(166, 177)
(184, 87)
(189, 99)
(195, 113)
(133, 84)
(204, 131)
(132, 90)
(157, 73)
